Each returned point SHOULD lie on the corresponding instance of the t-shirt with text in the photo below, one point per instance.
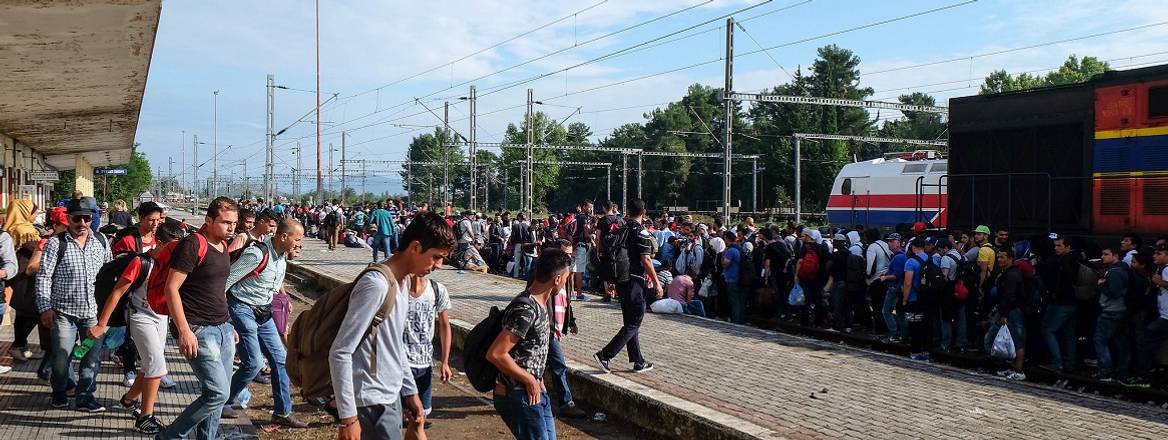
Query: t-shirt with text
(423, 311)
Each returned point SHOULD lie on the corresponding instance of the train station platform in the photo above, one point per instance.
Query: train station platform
(716, 380)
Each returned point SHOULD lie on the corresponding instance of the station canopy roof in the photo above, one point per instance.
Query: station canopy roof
(74, 73)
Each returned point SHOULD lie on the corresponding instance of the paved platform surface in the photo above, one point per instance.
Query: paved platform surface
(797, 387)
(25, 412)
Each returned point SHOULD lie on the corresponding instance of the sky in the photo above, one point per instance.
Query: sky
(387, 67)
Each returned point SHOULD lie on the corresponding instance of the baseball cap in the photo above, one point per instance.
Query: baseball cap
(57, 215)
(982, 229)
(931, 240)
(1053, 236)
(918, 227)
(893, 236)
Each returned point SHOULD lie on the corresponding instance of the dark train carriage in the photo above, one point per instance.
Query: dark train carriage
(1021, 160)
(1086, 158)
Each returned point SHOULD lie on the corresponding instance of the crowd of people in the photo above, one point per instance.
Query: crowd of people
(217, 290)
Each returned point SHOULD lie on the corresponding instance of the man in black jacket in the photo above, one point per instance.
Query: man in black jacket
(1059, 317)
(1008, 312)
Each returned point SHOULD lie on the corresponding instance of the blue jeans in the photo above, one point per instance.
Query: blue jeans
(1015, 322)
(424, 381)
(1060, 318)
(1155, 333)
(559, 369)
(64, 334)
(1108, 329)
(526, 422)
(211, 366)
(695, 307)
(896, 325)
(256, 340)
(959, 321)
(382, 243)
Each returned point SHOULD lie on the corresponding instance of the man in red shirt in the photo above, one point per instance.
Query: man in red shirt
(150, 215)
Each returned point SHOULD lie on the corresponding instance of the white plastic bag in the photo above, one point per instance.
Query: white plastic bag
(1003, 344)
(796, 298)
(707, 289)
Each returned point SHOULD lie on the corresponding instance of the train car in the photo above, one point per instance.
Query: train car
(883, 193)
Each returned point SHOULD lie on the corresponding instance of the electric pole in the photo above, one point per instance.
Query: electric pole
(195, 181)
(269, 151)
(183, 147)
(446, 152)
(473, 159)
(729, 104)
(527, 174)
(319, 178)
(297, 173)
(343, 180)
(330, 168)
(215, 147)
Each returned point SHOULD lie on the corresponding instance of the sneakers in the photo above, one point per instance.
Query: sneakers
(91, 406)
(20, 354)
(288, 421)
(130, 378)
(60, 402)
(1104, 379)
(229, 413)
(263, 379)
(133, 406)
(581, 297)
(571, 411)
(148, 424)
(1135, 382)
(920, 357)
(167, 383)
(642, 367)
(5, 369)
(1015, 375)
(601, 362)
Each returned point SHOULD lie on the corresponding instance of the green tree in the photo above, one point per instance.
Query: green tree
(545, 177)
(426, 180)
(914, 125)
(1073, 70)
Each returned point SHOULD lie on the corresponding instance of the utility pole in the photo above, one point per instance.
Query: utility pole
(754, 185)
(624, 182)
(798, 187)
(343, 169)
(608, 187)
(640, 175)
(297, 173)
(195, 181)
(170, 171)
(486, 188)
(319, 178)
(446, 152)
(183, 146)
(330, 167)
(363, 180)
(527, 174)
(473, 151)
(505, 168)
(215, 148)
(269, 155)
(729, 104)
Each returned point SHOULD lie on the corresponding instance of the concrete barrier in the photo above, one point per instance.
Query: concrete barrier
(648, 408)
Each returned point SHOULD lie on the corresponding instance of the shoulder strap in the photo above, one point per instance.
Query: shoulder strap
(202, 248)
(382, 312)
(434, 287)
(61, 247)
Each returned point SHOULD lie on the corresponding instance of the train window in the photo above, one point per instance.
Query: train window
(940, 167)
(915, 168)
(1158, 102)
(846, 187)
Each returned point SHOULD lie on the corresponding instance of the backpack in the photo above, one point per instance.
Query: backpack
(155, 290)
(856, 276)
(567, 228)
(479, 371)
(809, 268)
(746, 273)
(312, 335)
(107, 279)
(1034, 291)
(234, 255)
(332, 219)
(967, 279)
(1085, 283)
(132, 230)
(614, 256)
(932, 280)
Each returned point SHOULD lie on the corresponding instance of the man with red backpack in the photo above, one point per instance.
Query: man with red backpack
(195, 299)
(810, 275)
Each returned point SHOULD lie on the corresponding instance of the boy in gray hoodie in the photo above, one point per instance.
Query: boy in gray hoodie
(1112, 309)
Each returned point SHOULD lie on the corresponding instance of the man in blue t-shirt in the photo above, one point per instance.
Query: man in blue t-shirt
(731, 261)
(910, 290)
(386, 230)
(892, 280)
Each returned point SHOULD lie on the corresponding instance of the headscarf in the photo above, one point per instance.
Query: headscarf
(19, 223)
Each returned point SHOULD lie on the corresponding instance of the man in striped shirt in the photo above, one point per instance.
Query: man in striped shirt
(65, 300)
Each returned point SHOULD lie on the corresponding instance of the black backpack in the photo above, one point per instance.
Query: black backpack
(479, 371)
(107, 278)
(933, 281)
(331, 219)
(746, 273)
(856, 274)
(614, 256)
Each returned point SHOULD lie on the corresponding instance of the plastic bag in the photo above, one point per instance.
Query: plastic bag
(796, 298)
(707, 289)
(1003, 347)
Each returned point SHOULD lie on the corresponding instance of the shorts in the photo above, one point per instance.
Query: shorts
(580, 259)
(149, 336)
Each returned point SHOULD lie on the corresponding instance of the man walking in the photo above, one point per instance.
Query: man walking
(195, 296)
(253, 281)
(521, 349)
(66, 303)
(632, 301)
(386, 230)
(429, 310)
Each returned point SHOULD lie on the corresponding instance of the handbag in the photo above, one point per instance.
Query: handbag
(262, 313)
(796, 297)
(707, 290)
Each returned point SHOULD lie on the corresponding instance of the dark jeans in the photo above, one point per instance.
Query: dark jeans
(1110, 332)
(737, 297)
(129, 354)
(841, 306)
(559, 368)
(632, 305)
(526, 421)
(918, 327)
(424, 382)
(875, 298)
(815, 305)
(1154, 334)
(22, 327)
(1059, 320)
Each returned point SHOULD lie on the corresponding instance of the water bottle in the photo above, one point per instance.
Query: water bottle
(80, 350)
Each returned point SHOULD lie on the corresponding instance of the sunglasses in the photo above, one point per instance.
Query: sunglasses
(81, 218)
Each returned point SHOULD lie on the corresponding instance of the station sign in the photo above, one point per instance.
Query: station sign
(44, 176)
(27, 189)
(111, 172)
